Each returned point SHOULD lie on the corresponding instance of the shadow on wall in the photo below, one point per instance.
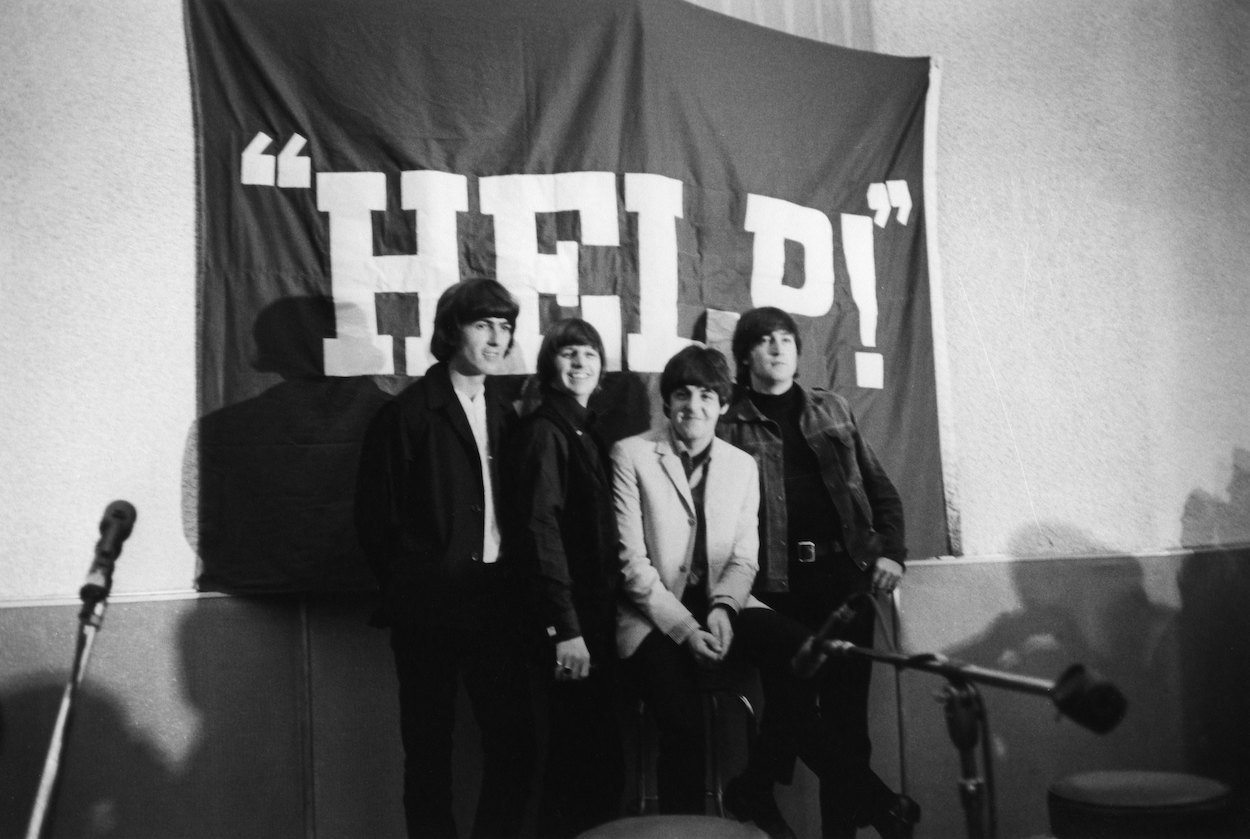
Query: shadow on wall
(245, 773)
(1091, 610)
(271, 505)
(276, 473)
(243, 673)
(113, 782)
(1214, 583)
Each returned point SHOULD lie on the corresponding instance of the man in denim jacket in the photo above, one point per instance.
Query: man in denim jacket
(831, 528)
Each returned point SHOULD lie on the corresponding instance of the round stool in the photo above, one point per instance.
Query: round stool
(674, 827)
(1138, 805)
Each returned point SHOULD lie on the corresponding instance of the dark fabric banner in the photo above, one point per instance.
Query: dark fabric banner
(646, 164)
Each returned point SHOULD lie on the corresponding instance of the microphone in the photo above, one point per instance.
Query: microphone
(812, 654)
(1088, 699)
(115, 527)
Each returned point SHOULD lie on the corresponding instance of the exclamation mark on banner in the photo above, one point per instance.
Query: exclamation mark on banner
(861, 266)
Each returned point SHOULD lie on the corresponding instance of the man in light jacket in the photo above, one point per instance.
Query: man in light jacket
(687, 508)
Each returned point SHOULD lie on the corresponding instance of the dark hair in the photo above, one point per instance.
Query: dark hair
(699, 366)
(756, 325)
(464, 303)
(569, 332)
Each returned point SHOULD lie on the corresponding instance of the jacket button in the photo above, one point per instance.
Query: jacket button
(477, 508)
(475, 556)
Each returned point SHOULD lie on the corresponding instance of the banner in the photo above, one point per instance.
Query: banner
(649, 165)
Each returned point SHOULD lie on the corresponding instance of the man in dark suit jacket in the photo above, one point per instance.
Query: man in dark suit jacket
(425, 513)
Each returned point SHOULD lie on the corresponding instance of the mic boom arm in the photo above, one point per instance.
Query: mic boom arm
(1078, 693)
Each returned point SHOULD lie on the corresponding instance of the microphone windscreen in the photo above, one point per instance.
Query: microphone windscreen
(1089, 700)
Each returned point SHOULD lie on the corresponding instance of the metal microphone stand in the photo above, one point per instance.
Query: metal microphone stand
(89, 620)
(1095, 705)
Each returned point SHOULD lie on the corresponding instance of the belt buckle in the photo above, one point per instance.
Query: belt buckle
(807, 551)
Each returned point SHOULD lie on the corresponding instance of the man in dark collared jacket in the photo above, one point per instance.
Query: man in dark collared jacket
(563, 529)
(425, 514)
(831, 528)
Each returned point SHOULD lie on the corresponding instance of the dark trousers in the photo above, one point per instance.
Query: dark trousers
(667, 678)
(585, 771)
(851, 794)
(792, 726)
(429, 662)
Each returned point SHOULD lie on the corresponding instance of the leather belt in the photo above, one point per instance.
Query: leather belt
(806, 551)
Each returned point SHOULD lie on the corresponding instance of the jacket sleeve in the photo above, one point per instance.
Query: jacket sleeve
(734, 586)
(640, 581)
(540, 470)
(887, 505)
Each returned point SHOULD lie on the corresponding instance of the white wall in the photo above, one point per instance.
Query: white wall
(1094, 202)
(97, 289)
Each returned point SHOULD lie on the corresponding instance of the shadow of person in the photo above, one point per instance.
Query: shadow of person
(276, 472)
(1214, 584)
(1082, 603)
(112, 783)
(243, 673)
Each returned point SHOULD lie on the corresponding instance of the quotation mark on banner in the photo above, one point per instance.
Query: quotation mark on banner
(884, 197)
(292, 169)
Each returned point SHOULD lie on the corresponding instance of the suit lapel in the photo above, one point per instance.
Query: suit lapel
(443, 398)
(670, 463)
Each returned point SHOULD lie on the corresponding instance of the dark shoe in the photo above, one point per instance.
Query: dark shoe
(749, 804)
(897, 818)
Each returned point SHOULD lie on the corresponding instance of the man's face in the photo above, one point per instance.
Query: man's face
(484, 347)
(692, 413)
(773, 361)
(577, 371)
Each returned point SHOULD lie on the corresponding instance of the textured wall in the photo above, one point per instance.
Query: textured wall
(97, 289)
(1094, 196)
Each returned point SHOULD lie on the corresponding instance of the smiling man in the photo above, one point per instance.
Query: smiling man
(686, 507)
(426, 517)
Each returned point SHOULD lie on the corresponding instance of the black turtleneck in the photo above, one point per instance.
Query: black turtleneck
(810, 513)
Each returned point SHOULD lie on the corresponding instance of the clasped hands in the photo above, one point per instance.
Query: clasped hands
(710, 646)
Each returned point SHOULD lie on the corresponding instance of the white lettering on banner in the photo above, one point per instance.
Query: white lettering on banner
(658, 202)
(437, 197)
(603, 311)
(357, 274)
(294, 170)
(861, 266)
(357, 349)
(773, 221)
(257, 168)
(882, 197)
(514, 201)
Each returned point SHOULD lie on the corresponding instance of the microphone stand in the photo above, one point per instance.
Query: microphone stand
(89, 620)
(966, 718)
